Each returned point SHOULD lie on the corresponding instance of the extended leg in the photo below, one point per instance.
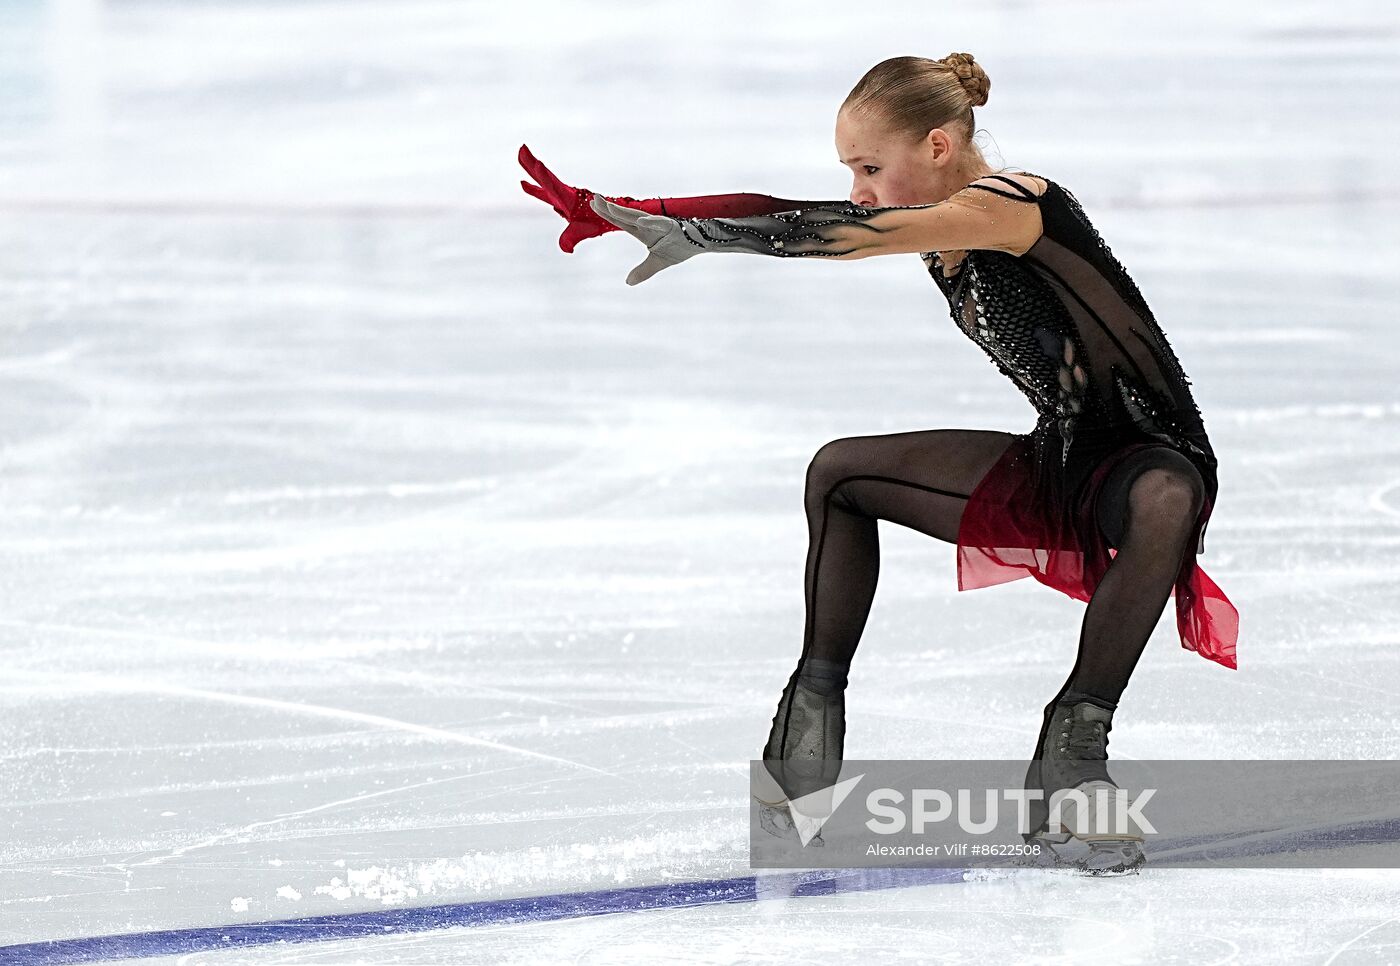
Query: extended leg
(920, 480)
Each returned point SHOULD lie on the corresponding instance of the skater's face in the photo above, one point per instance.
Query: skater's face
(891, 169)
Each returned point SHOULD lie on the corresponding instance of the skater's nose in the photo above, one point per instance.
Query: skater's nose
(862, 195)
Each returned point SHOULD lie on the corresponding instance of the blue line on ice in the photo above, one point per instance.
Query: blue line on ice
(494, 912)
(1207, 849)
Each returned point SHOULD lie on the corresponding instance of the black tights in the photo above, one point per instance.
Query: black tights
(922, 480)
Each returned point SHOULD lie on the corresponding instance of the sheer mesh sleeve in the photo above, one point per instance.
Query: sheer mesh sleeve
(970, 219)
(814, 230)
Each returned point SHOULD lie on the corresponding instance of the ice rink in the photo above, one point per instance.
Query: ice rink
(366, 553)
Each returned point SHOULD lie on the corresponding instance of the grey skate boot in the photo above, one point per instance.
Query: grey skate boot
(1074, 755)
(805, 745)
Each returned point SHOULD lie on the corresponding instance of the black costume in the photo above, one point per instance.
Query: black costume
(1064, 321)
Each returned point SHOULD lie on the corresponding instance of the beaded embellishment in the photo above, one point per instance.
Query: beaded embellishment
(1009, 309)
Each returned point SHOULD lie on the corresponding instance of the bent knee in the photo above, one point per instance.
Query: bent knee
(835, 459)
(1167, 496)
(834, 462)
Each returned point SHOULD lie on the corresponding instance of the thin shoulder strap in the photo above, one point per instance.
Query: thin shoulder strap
(1024, 193)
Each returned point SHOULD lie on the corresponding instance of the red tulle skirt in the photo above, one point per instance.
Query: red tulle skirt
(1024, 519)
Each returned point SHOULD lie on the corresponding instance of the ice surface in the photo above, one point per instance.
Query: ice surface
(365, 550)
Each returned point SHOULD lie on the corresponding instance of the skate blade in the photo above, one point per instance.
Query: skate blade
(1102, 856)
(1113, 857)
(1043, 855)
(776, 820)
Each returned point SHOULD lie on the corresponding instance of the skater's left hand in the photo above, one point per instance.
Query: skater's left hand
(664, 237)
(570, 202)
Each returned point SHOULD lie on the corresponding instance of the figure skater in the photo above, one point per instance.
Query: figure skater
(1106, 499)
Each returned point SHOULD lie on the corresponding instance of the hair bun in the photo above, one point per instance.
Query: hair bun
(970, 74)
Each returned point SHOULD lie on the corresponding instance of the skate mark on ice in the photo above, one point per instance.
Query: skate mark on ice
(285, 817)
(1376, 827)
(277, 651)
(66, 683)
(1378, 499)
(549, 908)
(1344, 946)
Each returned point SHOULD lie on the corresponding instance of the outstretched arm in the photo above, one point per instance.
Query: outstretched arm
(573, 203)
(970, 219)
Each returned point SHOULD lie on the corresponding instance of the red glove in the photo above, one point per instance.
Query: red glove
(573, 204)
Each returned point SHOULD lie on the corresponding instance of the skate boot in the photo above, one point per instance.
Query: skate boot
(803, 755)
(1074, 755)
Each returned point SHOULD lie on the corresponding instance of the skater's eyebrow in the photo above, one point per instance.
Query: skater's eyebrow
(852, 160)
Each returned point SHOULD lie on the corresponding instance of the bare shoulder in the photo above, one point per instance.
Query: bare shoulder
(1009, 203)
(1033, 183)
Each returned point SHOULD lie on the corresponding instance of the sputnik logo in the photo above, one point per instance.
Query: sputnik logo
(810, 812)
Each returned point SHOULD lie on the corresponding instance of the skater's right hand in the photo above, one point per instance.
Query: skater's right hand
(571, 203)
(666, 241)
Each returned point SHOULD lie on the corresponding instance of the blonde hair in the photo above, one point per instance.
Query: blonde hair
(914, 95)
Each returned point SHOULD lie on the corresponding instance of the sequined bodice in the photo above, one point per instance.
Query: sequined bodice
(1066, 323)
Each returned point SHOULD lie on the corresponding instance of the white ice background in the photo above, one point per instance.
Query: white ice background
(361, 548)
